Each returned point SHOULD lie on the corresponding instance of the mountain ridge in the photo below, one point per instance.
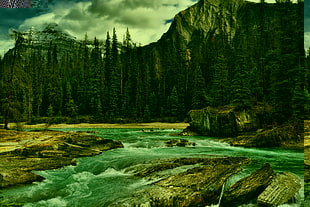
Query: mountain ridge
(205, 12)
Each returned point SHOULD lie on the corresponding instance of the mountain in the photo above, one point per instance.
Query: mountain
(243, 50)
(215, 53)
(42, 40)
(208, 17)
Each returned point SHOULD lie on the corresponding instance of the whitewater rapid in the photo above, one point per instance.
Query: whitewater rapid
(106, 178)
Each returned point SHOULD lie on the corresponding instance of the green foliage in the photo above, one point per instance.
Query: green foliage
(50, 111)
(263, 61)
(240, 90)
(199, 93)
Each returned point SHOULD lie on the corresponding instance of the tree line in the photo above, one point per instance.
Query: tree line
(108, 81)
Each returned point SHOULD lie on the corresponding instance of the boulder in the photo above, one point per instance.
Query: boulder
(179, 143)
(280, 136)
(214, 122)
(248, 188)
(227, 121)
(282, 190)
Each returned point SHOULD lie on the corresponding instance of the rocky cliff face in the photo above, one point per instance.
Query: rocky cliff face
(208, 17)
(42, 40)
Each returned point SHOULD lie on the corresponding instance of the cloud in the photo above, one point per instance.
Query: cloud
(146, 20)
(307, 40)
(6, 44)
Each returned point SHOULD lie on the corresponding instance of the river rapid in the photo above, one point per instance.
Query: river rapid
(106, 178)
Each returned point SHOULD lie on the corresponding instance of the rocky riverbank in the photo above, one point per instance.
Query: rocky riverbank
(202, 183)
(247, 128)
(23, 152)
(279, 136)
(185, 181)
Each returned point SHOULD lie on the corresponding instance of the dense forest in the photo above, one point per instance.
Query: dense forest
(262, 62)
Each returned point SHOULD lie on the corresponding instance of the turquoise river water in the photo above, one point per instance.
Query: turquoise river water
(103, 179)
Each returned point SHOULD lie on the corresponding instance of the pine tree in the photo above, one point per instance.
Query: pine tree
(174, 102)
(199, 93)
(50, 111)
(240, 86)
(220, 84)
(115, 104)
(280, 93)
(53, 82)
(107, 73)
(70, 107)
(96, 87)
(14, 80)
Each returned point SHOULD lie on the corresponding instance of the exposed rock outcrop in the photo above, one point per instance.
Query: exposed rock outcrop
(226, 121)
(281, 136)
(179, 143)
(248, 188)
(216, 14)
(281, 191)
(247, 128)
(24, 152)
(52, 33)
(199, 184)
(214, 122)
(16, 170)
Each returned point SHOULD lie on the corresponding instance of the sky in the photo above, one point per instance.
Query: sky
(146, 20)
(307, 24)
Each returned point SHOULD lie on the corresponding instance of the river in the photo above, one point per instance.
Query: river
(103, 179)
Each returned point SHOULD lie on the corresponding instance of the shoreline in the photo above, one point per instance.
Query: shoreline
(153, 125)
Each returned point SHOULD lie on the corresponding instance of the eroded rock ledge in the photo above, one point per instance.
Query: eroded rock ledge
(24, 152)
(247, 127)
(200, 182)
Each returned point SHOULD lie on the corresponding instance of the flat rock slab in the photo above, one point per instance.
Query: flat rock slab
(248, 188)
(18, 170)
(24, 152)
(281, 191)
(198, 186)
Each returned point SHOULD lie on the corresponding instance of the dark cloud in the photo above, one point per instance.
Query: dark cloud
(105, 8)
(10, 18)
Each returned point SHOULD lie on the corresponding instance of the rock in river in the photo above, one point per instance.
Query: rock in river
(24, 152)
(248, 188)
(198, 184)
(281, 191)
